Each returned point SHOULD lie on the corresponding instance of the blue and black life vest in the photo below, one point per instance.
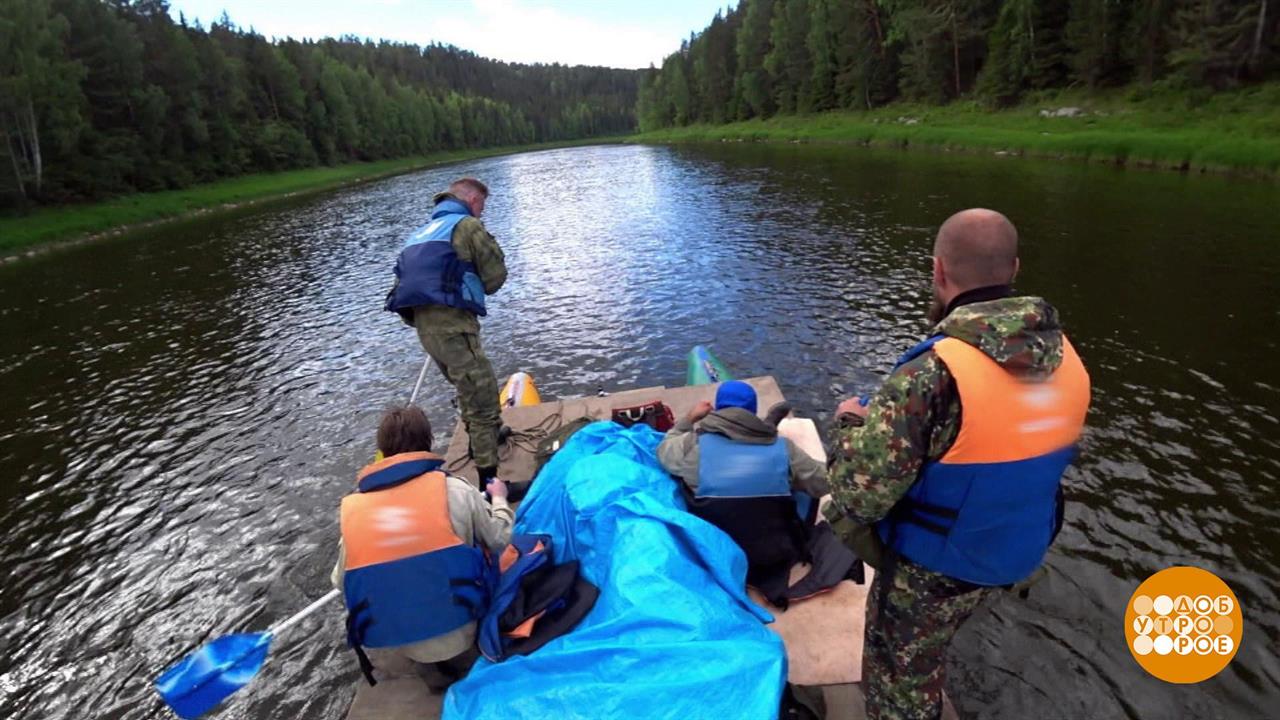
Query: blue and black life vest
(408, 577)
(429, 272)
(534, 600)
(988, 509)
(745, 490)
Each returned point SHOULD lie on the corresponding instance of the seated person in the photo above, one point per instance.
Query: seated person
(408, 564)
(739, 475)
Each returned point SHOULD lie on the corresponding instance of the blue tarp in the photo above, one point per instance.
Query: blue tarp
(673, 634)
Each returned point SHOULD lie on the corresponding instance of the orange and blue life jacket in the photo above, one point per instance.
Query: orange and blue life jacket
(429, 271)
(408, 577)
(988, 509)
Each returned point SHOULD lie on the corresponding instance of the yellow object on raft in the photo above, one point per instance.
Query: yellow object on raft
(519, 391)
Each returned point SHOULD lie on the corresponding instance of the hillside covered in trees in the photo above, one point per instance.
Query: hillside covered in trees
(781, 57)
(107, 97)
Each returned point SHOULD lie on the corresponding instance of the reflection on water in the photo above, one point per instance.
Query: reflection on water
(183, 411)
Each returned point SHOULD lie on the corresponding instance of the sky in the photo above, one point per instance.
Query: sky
(613, 33)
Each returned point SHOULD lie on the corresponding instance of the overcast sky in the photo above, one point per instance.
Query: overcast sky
(614, 33)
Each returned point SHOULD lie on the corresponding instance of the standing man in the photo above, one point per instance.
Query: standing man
(443, 274)
(957, 461)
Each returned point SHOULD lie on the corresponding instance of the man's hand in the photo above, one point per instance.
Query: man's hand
(852, 406)
(699, 411)
(496, 489)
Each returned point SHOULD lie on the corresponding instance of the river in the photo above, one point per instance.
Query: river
(183, 410)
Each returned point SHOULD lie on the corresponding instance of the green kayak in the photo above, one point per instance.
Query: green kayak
(705, 368)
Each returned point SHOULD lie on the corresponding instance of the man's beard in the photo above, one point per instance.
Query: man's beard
(937, 309)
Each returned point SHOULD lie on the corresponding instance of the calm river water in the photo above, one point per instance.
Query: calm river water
(182, 411)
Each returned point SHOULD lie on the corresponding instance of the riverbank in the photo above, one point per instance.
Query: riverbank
(1237, 132)
(47, 228)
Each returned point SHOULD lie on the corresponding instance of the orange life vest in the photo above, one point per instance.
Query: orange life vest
(987, 510)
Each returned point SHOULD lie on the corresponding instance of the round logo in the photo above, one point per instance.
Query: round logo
(1183, 625)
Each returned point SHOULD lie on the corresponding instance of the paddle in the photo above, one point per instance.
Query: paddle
(207, 676)
(198, 682)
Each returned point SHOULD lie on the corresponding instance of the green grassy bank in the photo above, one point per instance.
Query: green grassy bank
(29, 233)
(1233, 132)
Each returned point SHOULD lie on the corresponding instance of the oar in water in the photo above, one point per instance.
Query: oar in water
(207, 676)
(197, 683)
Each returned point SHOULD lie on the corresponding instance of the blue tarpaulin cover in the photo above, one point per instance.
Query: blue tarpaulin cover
(673, 634)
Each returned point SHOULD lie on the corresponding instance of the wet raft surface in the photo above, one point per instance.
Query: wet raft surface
(822, 635)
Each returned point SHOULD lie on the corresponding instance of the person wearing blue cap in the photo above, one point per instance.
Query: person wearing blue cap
(739, 475)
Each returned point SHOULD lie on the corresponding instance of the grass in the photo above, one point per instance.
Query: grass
(47, 225)
(1234, 132)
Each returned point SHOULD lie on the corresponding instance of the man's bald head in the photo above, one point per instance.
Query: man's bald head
(977, 248)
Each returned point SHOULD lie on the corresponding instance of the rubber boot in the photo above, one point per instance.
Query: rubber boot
(778, 413)
(517, 490)
(486, 474)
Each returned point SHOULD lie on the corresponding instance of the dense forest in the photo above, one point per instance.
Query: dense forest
(101, 98)
(768, 57)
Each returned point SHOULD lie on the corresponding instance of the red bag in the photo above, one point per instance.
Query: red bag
(655, 414)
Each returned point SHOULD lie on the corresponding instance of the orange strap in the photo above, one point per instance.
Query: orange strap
(1006, 418)
(525, 629)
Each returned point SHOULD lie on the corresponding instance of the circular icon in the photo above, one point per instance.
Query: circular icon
(1183, 625)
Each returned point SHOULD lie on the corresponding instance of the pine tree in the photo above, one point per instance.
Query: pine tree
(1025, 49)
(1147, 41)
(866, 65)
(1095, 31)
(822, 56)
(753, 83)
(788, 59)
(1220, 43)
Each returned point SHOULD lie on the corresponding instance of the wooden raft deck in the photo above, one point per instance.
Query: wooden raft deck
(822, 635)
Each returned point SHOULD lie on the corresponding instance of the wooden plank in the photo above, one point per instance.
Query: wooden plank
(823, 634)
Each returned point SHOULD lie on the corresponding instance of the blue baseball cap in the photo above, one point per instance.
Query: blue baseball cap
(736, 393)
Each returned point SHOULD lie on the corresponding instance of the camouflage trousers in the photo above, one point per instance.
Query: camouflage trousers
(463, 362)
(905, 646)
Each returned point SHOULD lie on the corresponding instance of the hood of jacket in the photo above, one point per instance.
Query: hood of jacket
(1022, 334)
(740, 425)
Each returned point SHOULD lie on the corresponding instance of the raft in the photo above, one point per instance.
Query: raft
(518, 391)
(822, 636)
(704, 368)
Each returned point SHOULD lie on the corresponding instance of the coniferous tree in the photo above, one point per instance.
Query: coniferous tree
(1220, 43)
(753, 83)
(1095, 32)
(821, 43)
(788, 58)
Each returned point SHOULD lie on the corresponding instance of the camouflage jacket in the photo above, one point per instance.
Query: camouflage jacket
(915, 415)
(473, 244)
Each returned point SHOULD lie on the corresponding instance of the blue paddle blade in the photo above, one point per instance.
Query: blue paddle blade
(207, 676)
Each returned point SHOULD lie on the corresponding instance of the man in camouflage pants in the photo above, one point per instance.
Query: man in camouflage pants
(443, 274)
(910, 424)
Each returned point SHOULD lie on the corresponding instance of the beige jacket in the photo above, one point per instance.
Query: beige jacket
(471, 517)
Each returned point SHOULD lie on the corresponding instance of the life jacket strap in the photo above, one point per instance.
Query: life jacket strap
(469, 594)
(936, 519)
(358, 622)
